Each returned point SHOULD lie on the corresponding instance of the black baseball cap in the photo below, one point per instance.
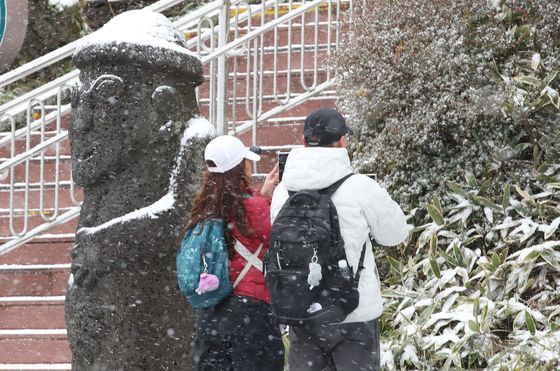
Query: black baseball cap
(325, 126)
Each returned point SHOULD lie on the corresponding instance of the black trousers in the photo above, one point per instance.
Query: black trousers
(343, 347)
(239, 334)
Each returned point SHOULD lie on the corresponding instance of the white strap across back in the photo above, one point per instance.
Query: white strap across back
(252, 260)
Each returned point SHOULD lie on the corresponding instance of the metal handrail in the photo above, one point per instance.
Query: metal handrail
(250, 46)
(14, 243)
(33, 151)
(19, 104)
(300, 98)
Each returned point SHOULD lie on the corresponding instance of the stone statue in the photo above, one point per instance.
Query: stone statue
(137, 151)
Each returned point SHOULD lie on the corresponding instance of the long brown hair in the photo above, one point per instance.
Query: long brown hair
(221, 196)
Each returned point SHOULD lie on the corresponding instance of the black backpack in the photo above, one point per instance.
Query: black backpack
(305, 235)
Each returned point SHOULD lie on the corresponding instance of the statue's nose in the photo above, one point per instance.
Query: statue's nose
(82, 118)
(96, 3)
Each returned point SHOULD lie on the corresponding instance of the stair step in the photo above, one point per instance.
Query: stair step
(40, 252)
(34, 221)
(38, 314)
(34, 280)
(302, 109)
(296, 86)
(65, 202)
(282, 57)
(49, 174)
(276, 135)
(64, 148)
(16, 350)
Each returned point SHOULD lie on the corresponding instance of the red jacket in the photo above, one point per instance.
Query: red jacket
(258, 217)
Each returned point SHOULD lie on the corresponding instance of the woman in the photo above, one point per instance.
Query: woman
(240, 332)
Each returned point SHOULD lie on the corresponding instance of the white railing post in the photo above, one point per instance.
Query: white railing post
(221, 97)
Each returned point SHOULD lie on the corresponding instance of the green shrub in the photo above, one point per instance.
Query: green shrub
(455, 107)
(435, 88)
(479, 284)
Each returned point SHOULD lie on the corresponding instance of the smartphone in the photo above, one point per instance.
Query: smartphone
(282, 157)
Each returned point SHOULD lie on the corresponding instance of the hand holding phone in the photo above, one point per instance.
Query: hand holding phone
(270, 182)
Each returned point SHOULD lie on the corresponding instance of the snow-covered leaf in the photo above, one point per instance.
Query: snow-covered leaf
(435, 214)
(505, 199)
(526, 196)
(532, 252)
(474, 326)
(489, 215)
(507, 223)
(454, 187)
(535, 61)
(549, 230)
(530, 323)
(435, 268)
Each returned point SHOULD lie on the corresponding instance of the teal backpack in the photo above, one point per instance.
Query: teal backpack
(204, 250)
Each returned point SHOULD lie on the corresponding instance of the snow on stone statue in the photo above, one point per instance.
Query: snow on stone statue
(137, 147)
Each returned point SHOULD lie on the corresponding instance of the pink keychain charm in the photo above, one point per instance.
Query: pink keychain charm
(208, 282)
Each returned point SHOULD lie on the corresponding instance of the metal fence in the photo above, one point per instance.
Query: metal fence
(260, 60)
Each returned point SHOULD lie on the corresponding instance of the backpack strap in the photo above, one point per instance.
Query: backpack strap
(361, 262)
(252, 260)
(330, 190)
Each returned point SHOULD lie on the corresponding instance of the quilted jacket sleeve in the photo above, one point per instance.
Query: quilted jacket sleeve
(385, 218)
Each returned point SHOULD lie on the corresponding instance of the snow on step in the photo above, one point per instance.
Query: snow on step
(31, 299)
(33, 333)
(36, 366)
(33, 267)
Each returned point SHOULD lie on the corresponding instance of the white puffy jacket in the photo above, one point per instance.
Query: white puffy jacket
(362, 205)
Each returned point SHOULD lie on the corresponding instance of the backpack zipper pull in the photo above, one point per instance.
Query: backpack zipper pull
(204, 264)
(314, 276)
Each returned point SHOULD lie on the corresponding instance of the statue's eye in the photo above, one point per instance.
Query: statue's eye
(109, 90)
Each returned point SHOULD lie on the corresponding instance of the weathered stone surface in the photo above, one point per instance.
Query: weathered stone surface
(137, 150)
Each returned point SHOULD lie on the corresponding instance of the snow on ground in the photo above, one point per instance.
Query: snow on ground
(387, 359)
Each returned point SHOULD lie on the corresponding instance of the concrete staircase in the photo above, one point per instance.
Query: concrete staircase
(33, 277)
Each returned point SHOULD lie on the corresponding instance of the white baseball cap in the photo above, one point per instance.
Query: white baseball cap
(227, 152)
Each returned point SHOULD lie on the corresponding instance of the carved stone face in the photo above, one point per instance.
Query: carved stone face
(98, 122)
(121, 115)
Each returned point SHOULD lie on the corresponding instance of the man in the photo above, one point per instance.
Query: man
(363, 208)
